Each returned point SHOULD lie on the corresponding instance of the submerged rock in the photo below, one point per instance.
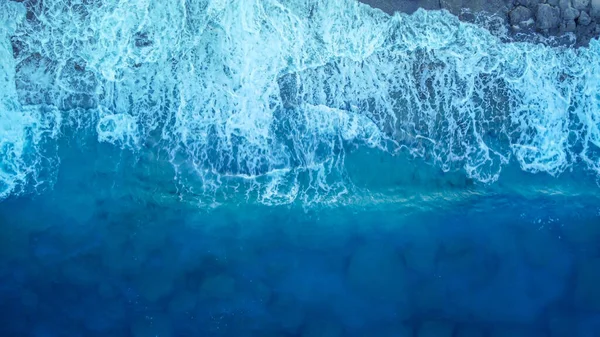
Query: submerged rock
(154, 285)
(421, 251)
(182, 302)
(436, 329)
(587, 291)
(377, 271)
(566, 323)
(394, 330)
(470, 331)
(288, 312)
(261, 292)
(152, 326)
(515, 332)
(29, 299)
(106, 290)
(320, 328)
(218, 287)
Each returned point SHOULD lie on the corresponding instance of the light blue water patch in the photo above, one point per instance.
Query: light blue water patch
(273, 97)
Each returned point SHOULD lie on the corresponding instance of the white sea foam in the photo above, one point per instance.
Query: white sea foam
(269, 96)
(22, 129)
(120, 128)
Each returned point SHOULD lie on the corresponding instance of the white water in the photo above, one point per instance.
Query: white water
(268, 96)
(22, 128)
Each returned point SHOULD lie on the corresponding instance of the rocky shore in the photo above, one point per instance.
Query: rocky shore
(565, 22)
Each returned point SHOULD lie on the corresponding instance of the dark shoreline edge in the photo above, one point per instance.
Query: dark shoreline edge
(570, 23)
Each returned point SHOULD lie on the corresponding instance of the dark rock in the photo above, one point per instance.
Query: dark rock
(564, 4)
(595, 9)
(527, 3)
(429, 4)
(453, 6)
(584, 19)
(548, 17)
(519, 14)
(580, 4)
(142, 40)
(570, 13)
(586, 33)
(568, 26)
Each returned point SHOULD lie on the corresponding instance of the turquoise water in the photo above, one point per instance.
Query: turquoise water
(292, 168)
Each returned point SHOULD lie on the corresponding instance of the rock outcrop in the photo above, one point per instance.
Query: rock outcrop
(566, 22)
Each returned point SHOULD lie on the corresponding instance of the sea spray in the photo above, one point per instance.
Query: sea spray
(271, 97)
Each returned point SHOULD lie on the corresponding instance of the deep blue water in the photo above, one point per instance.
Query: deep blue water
(292, 168)
(94, 256)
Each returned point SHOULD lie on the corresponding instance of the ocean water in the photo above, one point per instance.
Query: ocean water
(292, 168)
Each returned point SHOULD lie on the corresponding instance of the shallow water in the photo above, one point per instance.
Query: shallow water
(292, 168)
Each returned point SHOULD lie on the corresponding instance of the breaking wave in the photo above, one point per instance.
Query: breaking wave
(271, 98)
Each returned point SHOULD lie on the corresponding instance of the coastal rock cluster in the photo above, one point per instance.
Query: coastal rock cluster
(577, 20)
(557, 17)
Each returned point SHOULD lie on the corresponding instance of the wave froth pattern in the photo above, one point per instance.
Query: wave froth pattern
(270, 97)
